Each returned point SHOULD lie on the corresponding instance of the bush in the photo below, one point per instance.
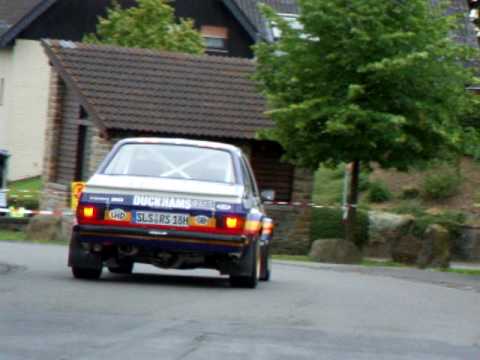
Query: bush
(30, 203)
(441, 186)
(327, 223)
(379, 192)
(363, 181)
(410, 192)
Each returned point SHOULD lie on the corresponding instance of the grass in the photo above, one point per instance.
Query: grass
(381, 263)
(25, 193)
(472, 272)
(292, 258)
(20, 236)
(328, 186)
(9, 235)
(31, 184)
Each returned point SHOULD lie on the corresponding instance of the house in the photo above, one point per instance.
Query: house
(230, 28)
(101, 94)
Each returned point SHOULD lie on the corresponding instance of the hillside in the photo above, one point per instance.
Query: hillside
(455, 189)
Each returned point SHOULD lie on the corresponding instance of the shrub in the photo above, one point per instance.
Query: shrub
(410, 192)
(327, 223)
(363, 181)
(441, 186)
(27, 203)
(379, 192)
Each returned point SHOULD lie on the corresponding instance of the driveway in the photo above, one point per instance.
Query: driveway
(306, 312)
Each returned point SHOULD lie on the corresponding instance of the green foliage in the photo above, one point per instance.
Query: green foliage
(327, 223)
(451, 220)
(379, 192)
(441, 185)
(367, 80)
(150, 25)
(410, 192)
(328, 187)
(25, 193)
(363, 181)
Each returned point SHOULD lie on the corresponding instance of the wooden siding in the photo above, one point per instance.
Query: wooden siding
(214, 13)
(72, 19)
(270, 171)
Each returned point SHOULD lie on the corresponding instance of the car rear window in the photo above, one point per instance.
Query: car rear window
(172, 161)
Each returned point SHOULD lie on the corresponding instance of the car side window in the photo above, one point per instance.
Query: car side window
(247, 178)
(249, 175)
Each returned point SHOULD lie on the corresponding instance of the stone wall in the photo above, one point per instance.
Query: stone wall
(293, 222)
(467, 246)
(55, 197)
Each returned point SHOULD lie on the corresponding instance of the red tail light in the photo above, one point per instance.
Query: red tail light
(234, 222)
(86, 213)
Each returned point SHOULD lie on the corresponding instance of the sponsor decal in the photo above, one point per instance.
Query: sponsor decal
(224, 206)
(118, 215)
(171, 202)
(118, 200)
(201, 220)
(76, 190)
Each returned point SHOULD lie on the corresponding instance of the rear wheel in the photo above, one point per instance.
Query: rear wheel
(84, 273)
(250, 280)
(266, 264)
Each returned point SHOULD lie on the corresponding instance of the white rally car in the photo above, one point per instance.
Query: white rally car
(173, 203)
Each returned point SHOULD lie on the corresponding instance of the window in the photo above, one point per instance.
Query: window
(2, 90)
(215, 38)
(172, 161)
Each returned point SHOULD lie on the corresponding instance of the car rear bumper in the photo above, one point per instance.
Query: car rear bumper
(172, 240)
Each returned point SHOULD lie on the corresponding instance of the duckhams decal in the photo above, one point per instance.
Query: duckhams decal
(158, 202)
(172, 202)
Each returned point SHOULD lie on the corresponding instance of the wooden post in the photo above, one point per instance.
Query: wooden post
(352, 202)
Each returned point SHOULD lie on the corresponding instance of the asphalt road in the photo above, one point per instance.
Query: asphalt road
(304, 313)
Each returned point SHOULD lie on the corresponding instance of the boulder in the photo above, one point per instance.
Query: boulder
(337, 251)
(384, 230)
(49, 228)
(406, 248)
(435, 251)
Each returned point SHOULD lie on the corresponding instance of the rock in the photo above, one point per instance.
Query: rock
(337, 251)
(406, 248)
(49, 228)
(384, 230)
(435, 251)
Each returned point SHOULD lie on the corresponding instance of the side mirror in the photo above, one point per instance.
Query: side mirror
(267, 195)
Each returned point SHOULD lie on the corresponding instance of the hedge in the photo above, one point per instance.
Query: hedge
(327, 223)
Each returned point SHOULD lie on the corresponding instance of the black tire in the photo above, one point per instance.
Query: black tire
(250, 281)
(123, 269)
(87, 274)
(266, 264)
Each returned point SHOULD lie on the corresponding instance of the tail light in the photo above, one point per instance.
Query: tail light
(234, 222)
(87, 213)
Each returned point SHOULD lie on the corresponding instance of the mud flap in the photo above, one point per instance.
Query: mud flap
(80, 258)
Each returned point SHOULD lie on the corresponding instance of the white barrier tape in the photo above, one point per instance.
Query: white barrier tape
(22, 211)
(32, 191)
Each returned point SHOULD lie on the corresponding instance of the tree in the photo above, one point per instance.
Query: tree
(151, 24)
(365, 81)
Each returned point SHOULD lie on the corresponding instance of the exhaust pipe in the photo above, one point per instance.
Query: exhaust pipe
(128, 250)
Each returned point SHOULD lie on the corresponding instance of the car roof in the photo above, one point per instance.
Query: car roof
(178, 141)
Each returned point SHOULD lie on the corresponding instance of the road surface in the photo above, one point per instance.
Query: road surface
(305, 312)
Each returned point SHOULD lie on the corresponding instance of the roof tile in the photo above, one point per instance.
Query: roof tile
(147, 90)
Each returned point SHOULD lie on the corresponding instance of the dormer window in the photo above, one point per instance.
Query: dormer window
(216, 38)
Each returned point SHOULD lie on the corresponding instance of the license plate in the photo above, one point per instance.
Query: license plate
(158, 218)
